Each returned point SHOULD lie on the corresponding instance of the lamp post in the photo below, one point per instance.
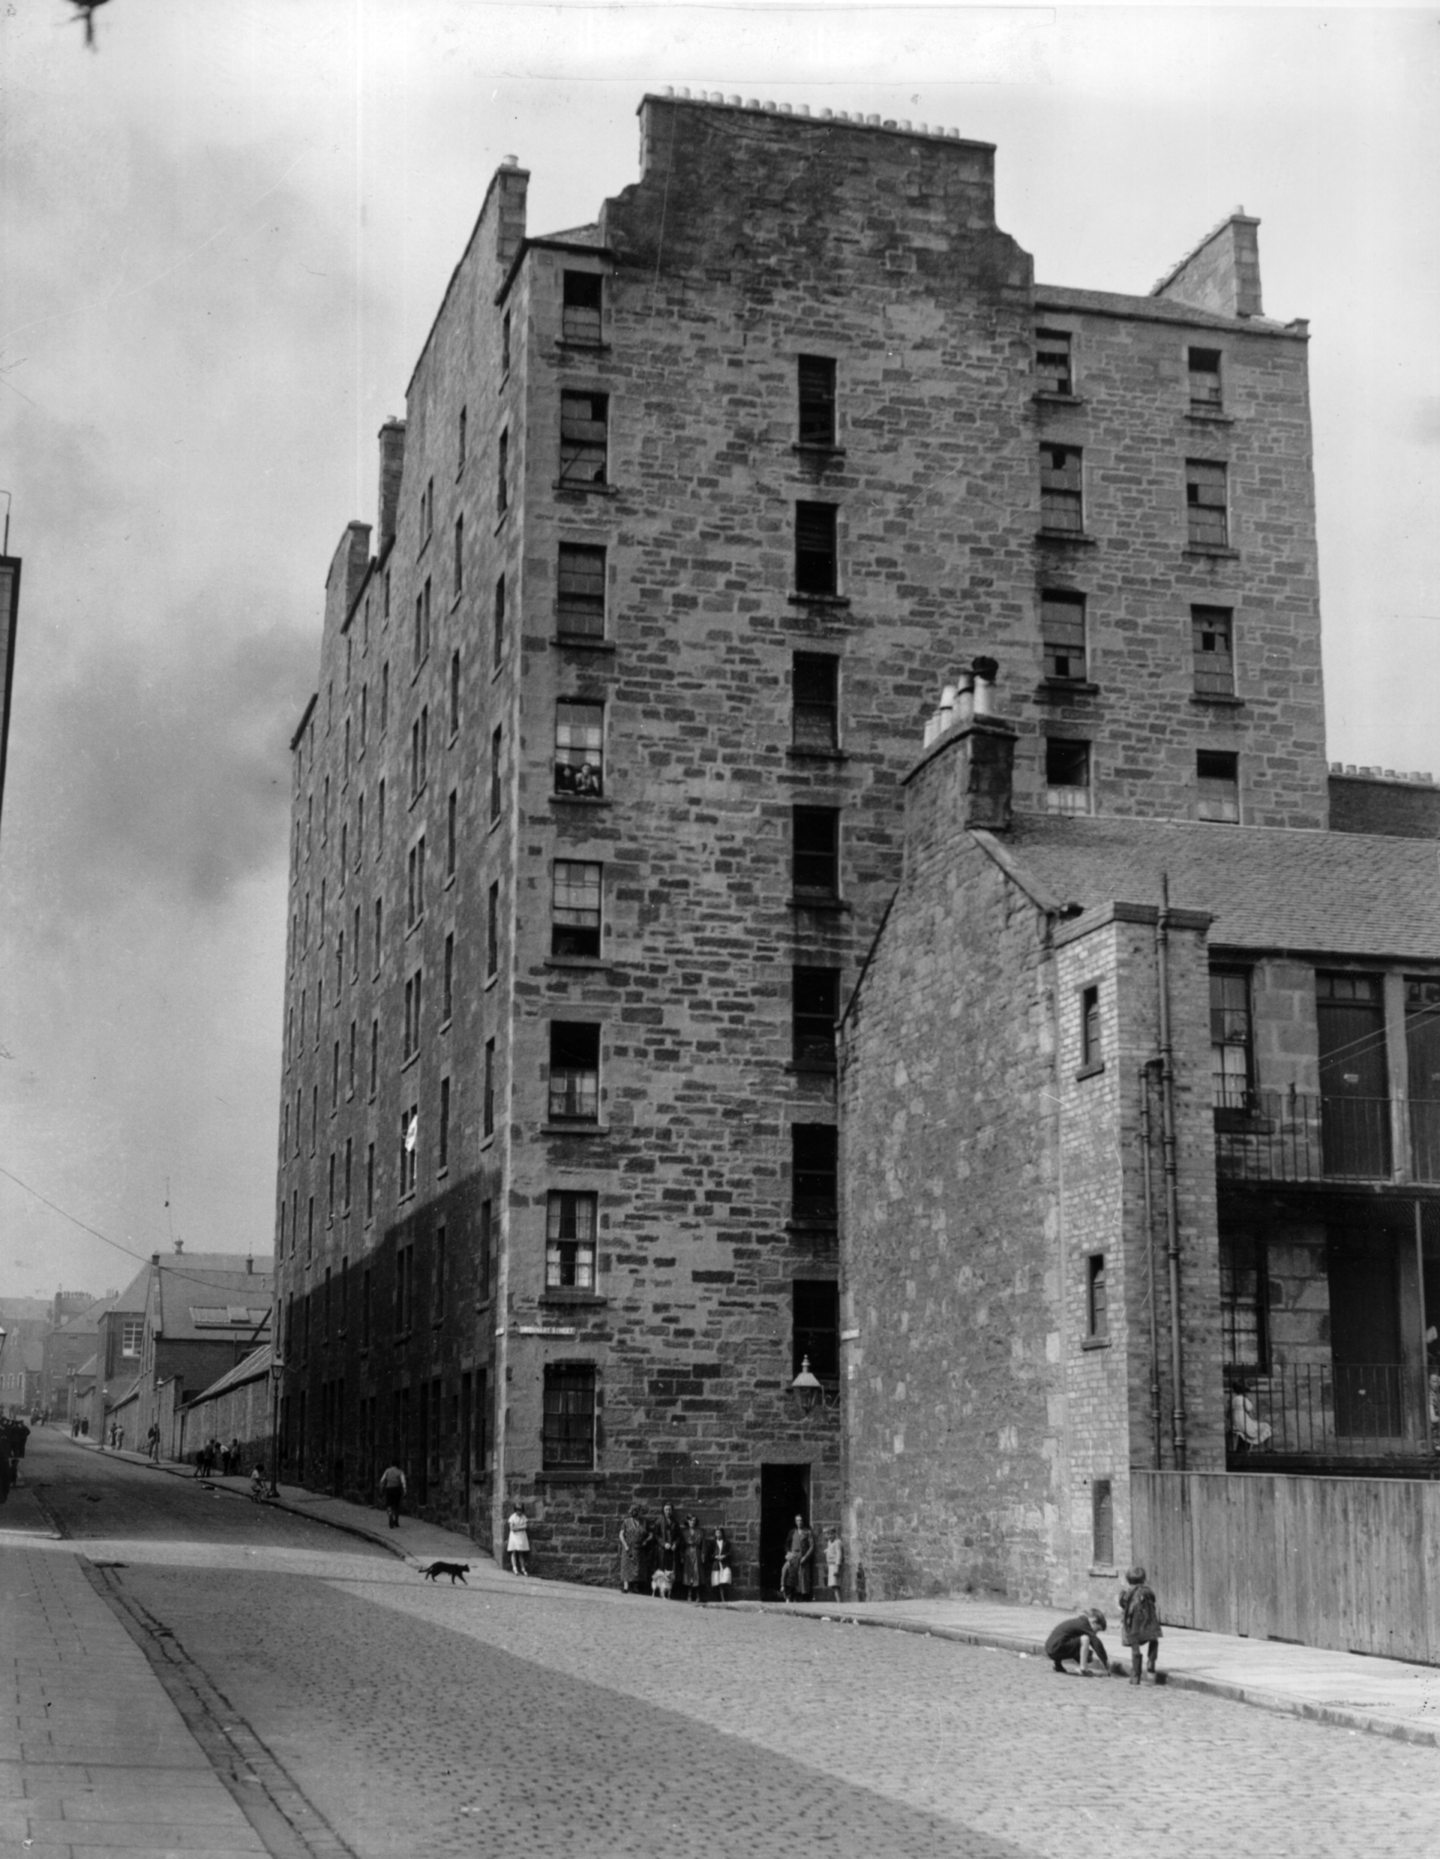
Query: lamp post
(810, 1392)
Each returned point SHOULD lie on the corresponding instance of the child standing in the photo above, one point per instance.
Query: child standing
(517, 1544)
(1140, 1614)
(834, 1556)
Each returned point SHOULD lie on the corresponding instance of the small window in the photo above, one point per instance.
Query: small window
(1217, 783)
(496, 786)
(1102, 1523)
(409, 1149)
(447, 980)
(1231, 1042)
(502, 474)
(568, 1426)
(505, 343)
(1207, 523)
(814, 1184)
(815, 854)
(492, 929)
(1097, 1317)
(816, 375)
(459, 554)
(132, 1331)
(454, 693)
(1213, 632)
(579, 748)
(413, 1001)
(384, 697)
(1062, 505)
(452, 831)
(1091, 1051)
(815, 1327)
(815, 1005)
(415, 881)
(584, 419)
(487, 1108)
(419, 750)
(1204, 370)
(570, 1242)
(369, 1184)
(581, 301)
(374, 1058)
(580, 591)
(815, 558)
(815, 701)
(422, 623)
(1067, 775)
(575, 908)
(574, 1072)
(1244, 1304)
(459, 457)
(1062, 630)
(442, 1133)
(1052, 362)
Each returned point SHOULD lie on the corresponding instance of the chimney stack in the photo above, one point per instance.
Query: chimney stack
(392, 470)
(965, 776)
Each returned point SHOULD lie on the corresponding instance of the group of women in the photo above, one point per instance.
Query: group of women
(674, 1556)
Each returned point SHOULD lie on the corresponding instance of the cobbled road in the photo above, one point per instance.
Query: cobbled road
(516, 1718)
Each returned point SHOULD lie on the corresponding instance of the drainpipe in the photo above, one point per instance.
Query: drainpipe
(1156, 1424)
(1172, 1191)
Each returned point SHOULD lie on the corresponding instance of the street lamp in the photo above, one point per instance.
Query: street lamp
(810, 1391)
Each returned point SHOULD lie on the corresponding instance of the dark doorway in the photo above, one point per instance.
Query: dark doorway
(1422, 1057)
(1354, 1076)
(467, 1445)
(1365, 1332)
(784, 1496)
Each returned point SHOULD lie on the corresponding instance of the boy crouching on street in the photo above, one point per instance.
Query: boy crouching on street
(1078, 1638)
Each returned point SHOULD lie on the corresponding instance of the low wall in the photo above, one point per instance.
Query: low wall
(1348, 1563)
(241, 1412)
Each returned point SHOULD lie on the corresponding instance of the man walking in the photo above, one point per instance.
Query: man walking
(392, 1490)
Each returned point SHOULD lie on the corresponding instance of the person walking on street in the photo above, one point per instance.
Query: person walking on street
(633, 1534)
(517, 1543)
(1140, 1615)
(392, 1490)
(152, 1443)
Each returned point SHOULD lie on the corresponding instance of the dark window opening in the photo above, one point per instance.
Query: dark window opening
(1102, 1523)
(815, 853)
(1061, 489)
(1052, 362)
(1204, 369)
(815, 1006)
(574, 1072)
(1062, 633)
(575, 908)
(583, 438)
(1205, 504)
(815, 558)
(568, 1428)
(1091, 1056)
(1213, 632)
(815, 700)
(817, 400)
(815, 1327)
(1097, 1315)
(813, 1173)
(570, 1221)
(1217, 781)
(581, 301)
(580, 590)
(1067, 775)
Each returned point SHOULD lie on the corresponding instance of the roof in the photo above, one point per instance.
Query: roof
(1149, 309)
(251, 1368)
(211, 1296)
(1356, 894)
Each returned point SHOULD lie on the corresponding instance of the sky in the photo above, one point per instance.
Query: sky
(223, 235)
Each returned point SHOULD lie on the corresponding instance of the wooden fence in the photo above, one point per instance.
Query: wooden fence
(1349, 1563)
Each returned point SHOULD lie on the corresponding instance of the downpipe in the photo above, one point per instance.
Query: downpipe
(1157, 1426)
(1171, 1171)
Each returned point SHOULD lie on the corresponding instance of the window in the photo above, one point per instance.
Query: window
(1208, 527)
(815, 1327)
(442, 1134)
(1091, 1052)
(404, 1288)
(1102, 1524)
(499, 629)
(487, 1124)
(447, 993)
(502, 474)
(459, 445)
(815, 1001)
(384, 696)
(496, 791)
(415, 881)
(1217, 783)
(580, 306)
(413, 994)
(815, 701)
(574, 1072)
(570, 1242)
(568, 1428)
(438, 1281)
(379, 932)
(454, 693)
(459, 555)
(1232, 1047)
(1053, 374)
(349, 1165)
(1097, 1316)
(132, 1331)
(452, 822)
(1213, 632)
(374, 1057)
(380, 820)
(816, 379)
(1062, 504)
(364, 717)
(409, 1149)
(1062, 634)
(580, 590)
(422, 623)
(419, 750)
(815, 559)
(575, 908)
(487, 1247)
(359, 831)
(1204, 368)
(1244, 1304)
(505, 343)
(813, 1179)
(427, 510)
(1067, 775)
(815, 851)
(579, 748)
(492, 929)
(350, 1071)
(584, 418)
(369, 1185)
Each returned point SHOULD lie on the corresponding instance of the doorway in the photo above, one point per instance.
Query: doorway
(1365, 1332)
(784, 1496)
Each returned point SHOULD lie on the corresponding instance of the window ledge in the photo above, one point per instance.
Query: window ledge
(584, 642)
(406, 1063)
(1208, 416)
(1095, 1342)
(816, 1229)
(581, 800)
(562, 1298)
(1090, 1071)
(1056, 690)
(575, 1129)
(1216, 551)
(1078, 538)
(502, 520)
(445, 1024)
(585, 964)
(1227, 700)
(582, 347)
(818, 449)
(600, 488)
(1048, 399)
(591, 1477)
(815, 1069)
(817, 600)
(800, 753)
(833, 905)
(490, 982)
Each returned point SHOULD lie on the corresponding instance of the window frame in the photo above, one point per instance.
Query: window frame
(815, 702)
(814, 1014)
(1207, 504)
(815, 867)
(814, 1175)
(1055, 382)
(572, 935)
(579, 765)
(1076, 751)
(584, 438)
(573, 1073)
(1058, 635)
(1220, 802)
(582, 308)
(569, 1427)
(581, 582)
(816, 402)
(572, 1242)
(817, 550)
(1217, 677)
(1205, 401)
(1062, 488)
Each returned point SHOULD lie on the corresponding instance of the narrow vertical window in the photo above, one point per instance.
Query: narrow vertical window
(816, 569)
(1062, 635)
(460, 440)
(1207, 522)
(1062, 502)
(584, 438)
(505, 343)
(452, 824)
(1097, 1315)
(1204, 371)
(369, 1186)
(488, 1102)
(815, 1003)
(815, 851)
(485, 1262)
(814, 1180)
(815, 701)
(379, 932)
(447, 985)
(374, 1057)
(1231, 1042)
(442, 1135)
(581, 302)
(570, 1241)
(1067, 775)
(502, 474)
(1217, 785)
(575, 908)
(816, 382)
(1090, 1049)
(580, 590)
(439, 1282)
(492, 929)
(1213, 631)
(579, 748)
(459, 554)
(496, 792)
(574, 1072)
(498, 636)
(815, 1328)
(1102, 1524)
(1053, 372)
(455, 693)
(384, 697)
(568, 1420)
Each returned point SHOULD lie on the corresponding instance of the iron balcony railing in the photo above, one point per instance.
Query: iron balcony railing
(1305, 1136)
(1371, 1410)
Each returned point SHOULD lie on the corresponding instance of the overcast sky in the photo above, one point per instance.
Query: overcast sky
(223, 235)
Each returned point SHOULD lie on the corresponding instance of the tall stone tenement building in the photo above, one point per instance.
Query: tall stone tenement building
(598, 806)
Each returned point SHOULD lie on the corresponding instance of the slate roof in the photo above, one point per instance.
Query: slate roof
(193, 1286)
(1266, 888)
(251, 1368)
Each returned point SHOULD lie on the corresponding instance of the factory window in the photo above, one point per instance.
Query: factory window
(1212, 629)
(814, 1196)
(570, 1241)
(1091, 1051)
(814, 1004)
(581, 300)
(574, 1072)
(492, 929)
(815, 851)
(1067, 775)
(1232, 1061)
(815, 1327)
(1097, 1316)
(1204, 371)
(1062, 504)
(816, 377)
(584, 418)
(815, 557)
(815, 701)
(1207, 524)
(579, 748)
(568, 1426)
(1053, 371)
(575, 908)
(580, 590)
(1062, 633)
(1217, 784)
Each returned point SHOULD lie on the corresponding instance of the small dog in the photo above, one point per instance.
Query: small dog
(661, 1582)
(455, 1570)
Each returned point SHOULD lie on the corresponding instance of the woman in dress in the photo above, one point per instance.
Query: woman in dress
(632, 1543)
(722, 1566)
(666, 1538)
(692, 1574)
(517, 1544)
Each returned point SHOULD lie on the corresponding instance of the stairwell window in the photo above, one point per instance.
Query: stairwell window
(574, 1072)
(579, 748)
(1217, 785)
(1232, 1062)
(1207, 521)
(1053, 370)
(1062, 501)
(581, 304)
(1067, 775)
(575, 908)
(815, 701)
(816, 567)
(1204, 372)
(1062, 632)
(584, 438)
(580, 591)
(570, 1222)
(816, 381)
(1092, 1053)
(1213, 632)
(1097, 1312)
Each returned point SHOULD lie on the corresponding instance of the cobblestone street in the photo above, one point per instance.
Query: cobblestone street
(430, 1719)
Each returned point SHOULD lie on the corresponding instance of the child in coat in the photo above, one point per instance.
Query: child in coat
(1140, 1615)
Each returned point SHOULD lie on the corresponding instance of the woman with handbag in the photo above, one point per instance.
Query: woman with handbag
(722, 1567)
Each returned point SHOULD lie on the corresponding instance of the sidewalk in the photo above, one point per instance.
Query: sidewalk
(1387, 1697)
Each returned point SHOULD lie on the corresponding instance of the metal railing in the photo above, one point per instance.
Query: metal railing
(1370, 1410)
(1304, 1136)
